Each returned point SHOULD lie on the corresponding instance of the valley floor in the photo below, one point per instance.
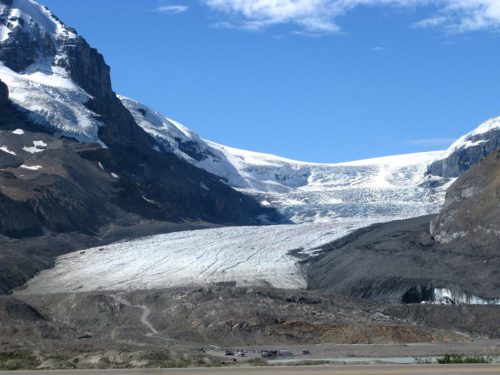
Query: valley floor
(193, 327)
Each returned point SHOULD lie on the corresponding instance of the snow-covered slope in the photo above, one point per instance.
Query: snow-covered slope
(52, 100)
(37, 78)
(33, 18)
(383, 188)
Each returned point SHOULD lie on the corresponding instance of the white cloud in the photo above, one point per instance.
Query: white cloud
(171, 9)
(322, 16)
(469, 15)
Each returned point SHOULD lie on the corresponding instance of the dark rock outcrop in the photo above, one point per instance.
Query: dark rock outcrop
(86, 67)
(4, 94)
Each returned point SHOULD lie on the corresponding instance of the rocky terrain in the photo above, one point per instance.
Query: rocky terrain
(169, 327)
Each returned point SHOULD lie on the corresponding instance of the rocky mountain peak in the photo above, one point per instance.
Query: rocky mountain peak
(33, 39)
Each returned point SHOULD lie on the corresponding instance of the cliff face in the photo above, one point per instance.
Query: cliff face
(472, 208)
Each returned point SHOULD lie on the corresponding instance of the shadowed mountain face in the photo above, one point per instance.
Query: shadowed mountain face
(457, 257)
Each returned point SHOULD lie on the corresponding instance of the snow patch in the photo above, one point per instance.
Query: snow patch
(52, 100)
(204, 187)
(6, 150)
(39, 144)
(151, 201)
(36, 147)
(31, 167)
(18, 132)
(32, 150)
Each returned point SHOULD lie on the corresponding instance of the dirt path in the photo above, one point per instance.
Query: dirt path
(146, 311)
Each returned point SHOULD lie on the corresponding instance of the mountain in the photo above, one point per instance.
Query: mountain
(4, 95)
(83, 167)
(452, 257)
(59, 85)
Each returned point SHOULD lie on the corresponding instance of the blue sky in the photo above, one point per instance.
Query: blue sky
(304, 79)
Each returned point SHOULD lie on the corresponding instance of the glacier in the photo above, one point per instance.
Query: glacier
(249, 256)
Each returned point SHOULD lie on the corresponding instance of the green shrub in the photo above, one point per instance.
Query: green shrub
(459, 358)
